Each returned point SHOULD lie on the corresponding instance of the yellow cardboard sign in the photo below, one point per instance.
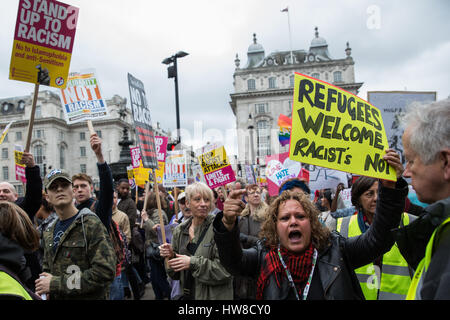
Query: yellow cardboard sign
(213, 160)
(335, 129)
(160, 172)
(141, 174)
(43, 42)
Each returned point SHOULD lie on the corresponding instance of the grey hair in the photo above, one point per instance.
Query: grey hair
(430, 128)
(199, 188)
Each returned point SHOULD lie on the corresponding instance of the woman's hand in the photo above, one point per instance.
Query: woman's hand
(180, 262)
(144, 215)
(166, 251)
(232, 208)
(393, 159)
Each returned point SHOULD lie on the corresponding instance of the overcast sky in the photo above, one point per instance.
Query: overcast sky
(396, 45)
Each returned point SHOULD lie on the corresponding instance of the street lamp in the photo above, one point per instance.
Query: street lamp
(173, 73)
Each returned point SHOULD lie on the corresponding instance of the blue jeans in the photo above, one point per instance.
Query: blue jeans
(116, 289)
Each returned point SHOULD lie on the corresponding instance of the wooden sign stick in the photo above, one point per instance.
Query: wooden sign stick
(175, 190)
(31, 122)
(161, 220)
(91, 127)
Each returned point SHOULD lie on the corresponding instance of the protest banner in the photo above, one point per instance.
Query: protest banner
(175, 173)
(43, 41)
(197, 173)
(5, 131)
(216, 166)
(335, 129)
(346, 196)
(82, 98)
(161, 150)
(250, 174)
(130, 175)
(324, 178)
(392, 105)
(19, 167)
(280, 168)
(141, 174)
(142, 123)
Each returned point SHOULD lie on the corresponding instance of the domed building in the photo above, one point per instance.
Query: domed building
(263, 90)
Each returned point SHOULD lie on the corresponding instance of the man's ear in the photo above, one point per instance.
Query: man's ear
(444, 157)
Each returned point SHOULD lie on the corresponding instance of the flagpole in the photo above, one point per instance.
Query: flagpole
(290, 36)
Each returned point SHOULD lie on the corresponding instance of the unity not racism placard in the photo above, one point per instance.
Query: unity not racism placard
(335, 129)
(82, 98)
(43, 41)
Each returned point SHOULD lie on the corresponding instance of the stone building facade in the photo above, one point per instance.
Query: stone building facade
(264, 87)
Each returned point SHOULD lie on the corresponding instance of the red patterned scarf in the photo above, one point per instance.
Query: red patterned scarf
(299, 266)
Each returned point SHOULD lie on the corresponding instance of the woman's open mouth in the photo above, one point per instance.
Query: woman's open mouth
(295, 236)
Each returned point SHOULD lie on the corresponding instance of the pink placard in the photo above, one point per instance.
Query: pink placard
(280, 168)
(161, 148)
(220, 177)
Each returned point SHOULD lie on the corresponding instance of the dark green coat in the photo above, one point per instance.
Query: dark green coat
(84, 264)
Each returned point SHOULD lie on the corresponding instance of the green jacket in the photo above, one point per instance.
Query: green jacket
(211, 280)
(84, 264)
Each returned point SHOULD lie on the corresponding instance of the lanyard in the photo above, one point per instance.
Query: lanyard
(291, 281)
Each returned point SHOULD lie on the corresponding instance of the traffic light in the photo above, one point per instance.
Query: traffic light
(171, 146)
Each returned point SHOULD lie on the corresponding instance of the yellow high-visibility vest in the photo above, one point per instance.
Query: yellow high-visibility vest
(421, 271)
(9, 286)
(395, 274)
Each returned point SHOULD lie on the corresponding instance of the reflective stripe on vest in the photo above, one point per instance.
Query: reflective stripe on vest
(395, 275)
(421, 271)
(10, 287)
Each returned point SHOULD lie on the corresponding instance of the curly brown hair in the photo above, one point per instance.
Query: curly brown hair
(319, 233)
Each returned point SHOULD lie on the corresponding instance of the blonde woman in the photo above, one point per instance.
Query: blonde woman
(193, 255)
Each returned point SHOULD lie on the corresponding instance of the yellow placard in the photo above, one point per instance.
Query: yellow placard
(36, 64)
(160, 172)
(335, 129)
(141, 174)
(213, 160)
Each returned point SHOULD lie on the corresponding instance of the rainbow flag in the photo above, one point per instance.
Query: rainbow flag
(285, 124)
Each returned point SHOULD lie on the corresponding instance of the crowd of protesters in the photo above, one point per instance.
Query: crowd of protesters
(64, 241)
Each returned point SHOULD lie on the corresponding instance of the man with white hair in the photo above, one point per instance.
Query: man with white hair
(425, 243)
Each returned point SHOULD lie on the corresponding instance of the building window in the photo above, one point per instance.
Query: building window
(291, 81)
(61, 135)
(5, 173)
(99, 133)
(261, 108)
(39, 134)
(251, 84)
(263, 135)
(39, 156)
(272, 83)
(337, 76)
(82, 168)
(82, 136)
(82, 151)
(19, 136)
(62, 157)
(4, 153)
(315, 75)
(38, 112)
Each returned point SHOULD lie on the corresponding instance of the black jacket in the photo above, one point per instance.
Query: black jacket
(12, 259)
(31, 204)
(412, 241)
(334, 276)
